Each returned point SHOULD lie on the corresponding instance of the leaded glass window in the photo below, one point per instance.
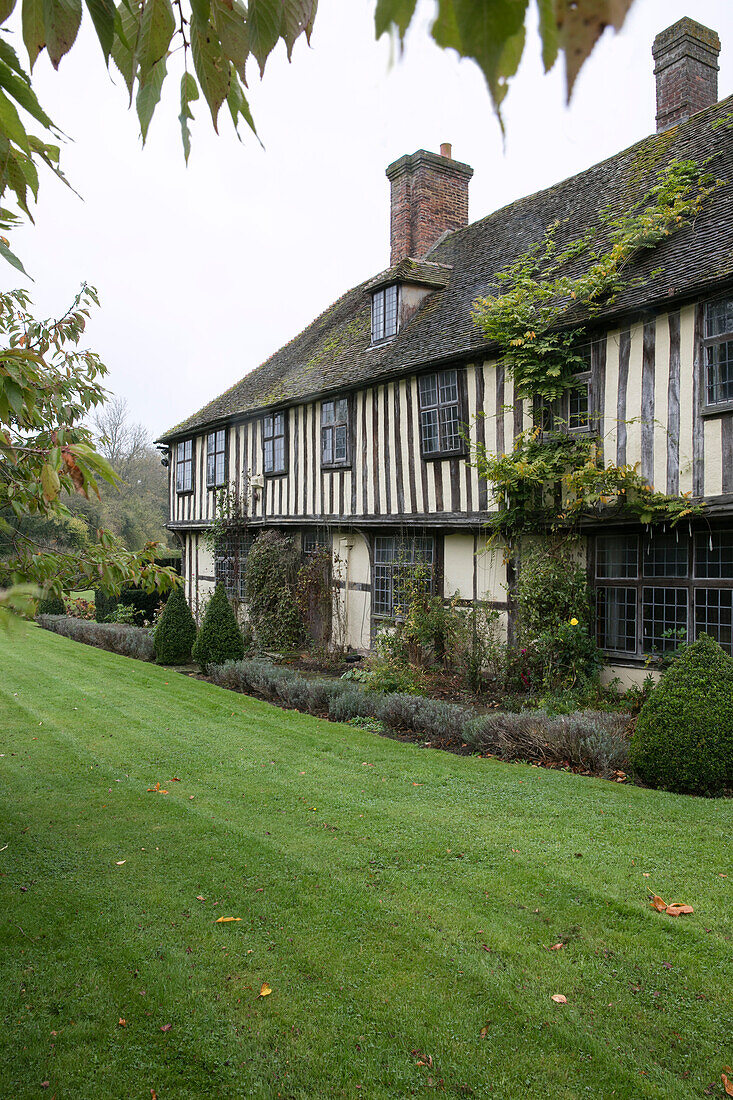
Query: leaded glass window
(230, 557)
(184, 467)
(216, 458)
(393, 558)
(273, 443)
(718, 351)
(384, 313)
(440, 412)
(616, 619)
(617, 556)
(335, 432)
(664, 618)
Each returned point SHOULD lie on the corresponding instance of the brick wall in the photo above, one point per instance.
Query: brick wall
(686, 69)
(429, 196)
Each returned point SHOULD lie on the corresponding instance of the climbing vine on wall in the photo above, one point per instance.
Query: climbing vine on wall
(530, 319)
(555, 481)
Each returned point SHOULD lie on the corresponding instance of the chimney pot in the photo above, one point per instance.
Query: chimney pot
(429, 198)
(686, 68)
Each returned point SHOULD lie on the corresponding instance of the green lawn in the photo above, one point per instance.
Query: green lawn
(396, 900)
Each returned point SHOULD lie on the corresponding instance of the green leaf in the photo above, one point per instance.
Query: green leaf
(23, 94)
(50, 482)
(6, 9)
(393, 13)
(103, 18)
(491, 34)
(189, 92)
(124, 47)
(157, 25)
(11, 125)
(580, 24)
(148, 95)
(34, 31)
(230, 22)
(14, 394)
(201, 10)
(548, 32)
(211, 67)
(61, 19)
(238, 105)
(264, 21)
(297, 18)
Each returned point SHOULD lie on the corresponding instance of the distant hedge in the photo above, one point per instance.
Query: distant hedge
(129, 641)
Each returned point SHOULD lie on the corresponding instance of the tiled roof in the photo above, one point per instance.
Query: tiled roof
(334, 352)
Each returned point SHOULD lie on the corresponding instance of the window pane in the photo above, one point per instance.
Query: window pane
(665, 613)
(188, 448)
(220, 469)
(578, 407)
(390, 311)
(378, 315)
(279, 423)
(429, 430)
(719, 373)
(428, 390)
(719, 317)
(339, 452)
(268, 456)
(279, 454)
(220, 440)
(211, 443)
(617, 556)
(384, 549)
(713, 608)
(392, 558)
(450, 428)
(448, 386)
(616, 617)
(267, 427)
(714, 554)
(211, 469)
(327, 412)
(230, 557)
(342, 410)
(665, 555)
(327, 445)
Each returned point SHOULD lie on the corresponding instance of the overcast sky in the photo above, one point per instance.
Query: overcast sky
(205, 271)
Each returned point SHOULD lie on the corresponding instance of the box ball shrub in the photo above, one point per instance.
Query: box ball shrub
(683, 739)
(219, 638)
(51, 605)
(176, 631)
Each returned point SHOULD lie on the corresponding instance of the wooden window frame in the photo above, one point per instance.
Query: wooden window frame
(462, 406)
(646, 585)
(707, 407)
(181, 463)
(559, 409)
(212, 453)
(402, 537)
(346, 422)
(280, 472)
(379, 310)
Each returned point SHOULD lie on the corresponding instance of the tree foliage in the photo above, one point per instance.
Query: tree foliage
(48, 387)
(216, 43)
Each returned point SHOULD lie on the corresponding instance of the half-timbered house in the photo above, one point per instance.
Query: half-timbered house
(353, 435)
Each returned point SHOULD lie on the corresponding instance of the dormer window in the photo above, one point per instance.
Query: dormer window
(384, 313)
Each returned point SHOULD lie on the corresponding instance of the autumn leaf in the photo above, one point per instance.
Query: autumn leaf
(224, 920)
(484, 1031)
(200, 897)
(658, 904)
(559, 999)
(556, 946)
(727, 1084)
(166, 1027)
(677, 908)
(121, 1022)
(120, 862)
(265, 991)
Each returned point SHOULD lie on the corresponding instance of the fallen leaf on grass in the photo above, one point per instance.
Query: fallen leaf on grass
(265, 991)
(156, 789)
(645, 874)
(484, 1031)
(658, 904)
(153, 1095)
(200, 897)
(727, 1084)
(166, 1027)
(677, 908)
(556, 946)
(121, 1022)
(120, 862)
(224, 920)
(422, 1059)
(559, 999)
(175, 779)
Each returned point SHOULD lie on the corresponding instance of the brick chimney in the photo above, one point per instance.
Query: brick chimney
(686, 68)
(429, 196)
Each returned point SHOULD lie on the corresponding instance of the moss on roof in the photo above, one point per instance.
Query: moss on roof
(335, 352)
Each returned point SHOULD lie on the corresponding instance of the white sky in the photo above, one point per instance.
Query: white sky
(203, 272)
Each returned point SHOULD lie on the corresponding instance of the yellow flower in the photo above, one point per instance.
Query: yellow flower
(573, 622)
